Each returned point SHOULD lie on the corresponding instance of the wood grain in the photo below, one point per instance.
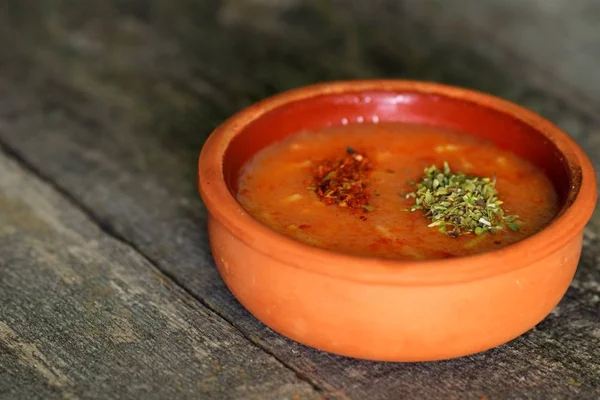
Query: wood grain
(560, 39)
(85, 316)
(112, 103)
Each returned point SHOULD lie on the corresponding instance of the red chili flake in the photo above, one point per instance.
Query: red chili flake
(344, 181)
(363, 218)
(303, 226)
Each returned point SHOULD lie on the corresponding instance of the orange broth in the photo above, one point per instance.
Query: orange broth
(273, 189)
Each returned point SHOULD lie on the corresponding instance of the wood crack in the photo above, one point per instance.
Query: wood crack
(107, 229)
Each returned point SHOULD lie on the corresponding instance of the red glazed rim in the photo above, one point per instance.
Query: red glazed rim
(224, 208)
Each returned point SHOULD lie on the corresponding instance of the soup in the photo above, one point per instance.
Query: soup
(281, 187)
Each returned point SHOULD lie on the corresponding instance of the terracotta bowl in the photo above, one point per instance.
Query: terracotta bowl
(394, 310)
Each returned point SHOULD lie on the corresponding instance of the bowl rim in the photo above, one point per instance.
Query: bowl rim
(225, 209)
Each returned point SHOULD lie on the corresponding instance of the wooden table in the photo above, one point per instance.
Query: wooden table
(107, 286)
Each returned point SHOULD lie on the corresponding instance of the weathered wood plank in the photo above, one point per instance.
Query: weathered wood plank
(560, 38)
(115, 109)
(85, 316)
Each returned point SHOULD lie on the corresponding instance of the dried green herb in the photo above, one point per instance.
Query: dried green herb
(458, 204)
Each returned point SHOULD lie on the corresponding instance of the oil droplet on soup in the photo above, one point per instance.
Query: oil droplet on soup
(275, 188)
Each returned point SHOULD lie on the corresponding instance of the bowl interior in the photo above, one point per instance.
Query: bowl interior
(505, 130)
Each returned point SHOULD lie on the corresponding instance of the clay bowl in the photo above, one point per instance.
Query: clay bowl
(394, 310)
